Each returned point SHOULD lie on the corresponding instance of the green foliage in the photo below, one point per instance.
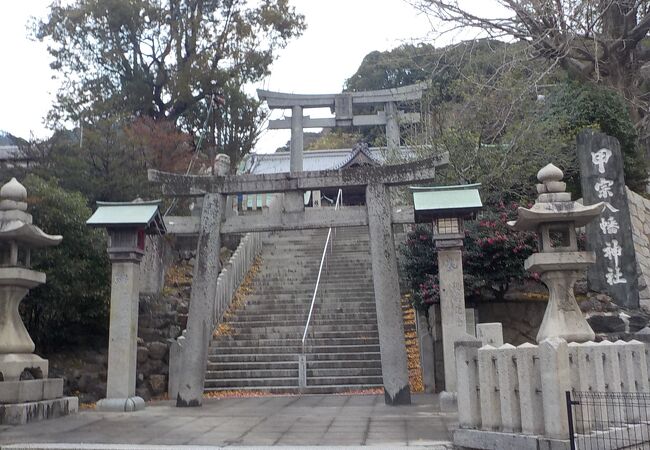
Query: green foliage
(482, 108)
(493, 258)
(167, 60)
(337, 138)
(574, 106)
(109, 165)
(72, 307)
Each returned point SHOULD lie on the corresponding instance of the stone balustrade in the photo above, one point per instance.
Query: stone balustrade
(228, 282)
(234, 272)
(521, 390)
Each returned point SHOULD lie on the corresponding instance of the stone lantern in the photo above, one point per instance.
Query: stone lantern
(25, 391)
(555, 217)
(447, 207)
(127, 225)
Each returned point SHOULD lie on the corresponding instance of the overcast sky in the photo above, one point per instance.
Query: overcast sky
(339, 34)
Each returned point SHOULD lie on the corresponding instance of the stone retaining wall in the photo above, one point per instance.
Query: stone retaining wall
(640, 218)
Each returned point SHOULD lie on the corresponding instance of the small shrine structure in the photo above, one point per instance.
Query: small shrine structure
(446, 208)
(127, 224)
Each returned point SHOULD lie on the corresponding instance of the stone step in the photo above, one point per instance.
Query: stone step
(222, 341)
(287, 298)
(298, 334)
(338, 364)
(290, 365)
(320, 316)
(292, 381)
(308, 289)
(366, 356)
(300, 328)
(298, 308)
(316, 323)
(252, 365)
(289, 357)
(326, 277)
(236, 383)
(323, 389)
(309, 349)
(343, 341)
(286, 260)
(349, 380)
(221, 374)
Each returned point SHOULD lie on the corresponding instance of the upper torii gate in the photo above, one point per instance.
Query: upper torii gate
(378, 215)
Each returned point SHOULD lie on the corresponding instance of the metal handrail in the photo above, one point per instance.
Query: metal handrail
(337, 204)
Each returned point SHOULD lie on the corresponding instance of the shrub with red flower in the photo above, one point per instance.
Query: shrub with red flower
(427, 293)
(493, 257)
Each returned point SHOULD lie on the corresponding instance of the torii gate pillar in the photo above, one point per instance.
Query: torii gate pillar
(392, 344)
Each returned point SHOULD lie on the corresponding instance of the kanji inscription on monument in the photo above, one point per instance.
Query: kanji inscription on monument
(602, 180)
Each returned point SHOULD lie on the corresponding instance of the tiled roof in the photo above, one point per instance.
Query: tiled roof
(259, 163)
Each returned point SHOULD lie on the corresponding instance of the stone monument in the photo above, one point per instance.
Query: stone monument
(611, 237)
(555, 217)
(26, 394)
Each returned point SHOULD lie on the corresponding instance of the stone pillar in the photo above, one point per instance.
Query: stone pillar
(123, 334)
(490, 333)
(452, 303)
(201, 317)
(296, 145)
(469, 402)
(508, 388)
(201, 314)
(392, 126)
(489, 388)
(392, 343)
(555, 377)
(530, 389)
(427, 363)
(294, 201)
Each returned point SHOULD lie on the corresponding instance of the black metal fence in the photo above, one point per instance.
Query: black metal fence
(609, 421)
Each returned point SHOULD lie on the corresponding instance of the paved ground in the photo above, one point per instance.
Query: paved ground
(330, 420)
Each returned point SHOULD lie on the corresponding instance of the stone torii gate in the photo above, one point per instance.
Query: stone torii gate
(378, 215)
(342, 105)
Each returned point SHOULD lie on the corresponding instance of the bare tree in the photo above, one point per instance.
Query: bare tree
(601, 41)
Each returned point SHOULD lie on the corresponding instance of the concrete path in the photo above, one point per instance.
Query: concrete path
(324, 420)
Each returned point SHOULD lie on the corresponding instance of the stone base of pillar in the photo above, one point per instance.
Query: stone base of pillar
(26, 412)
(128, 404)
(403, 397)
(481, 439)
(12, 365)
(448, 401)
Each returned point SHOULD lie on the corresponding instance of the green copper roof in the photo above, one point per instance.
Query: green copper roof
(127, 214)
(446, 200)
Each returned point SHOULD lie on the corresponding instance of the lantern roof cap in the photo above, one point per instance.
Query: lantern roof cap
(139, 213)
(554, 204)
(446, 201)
(13, 190)
(550, 172)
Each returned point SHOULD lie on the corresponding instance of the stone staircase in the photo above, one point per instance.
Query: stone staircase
(260, 351)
